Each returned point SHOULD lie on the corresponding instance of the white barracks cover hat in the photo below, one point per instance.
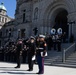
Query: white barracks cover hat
(41, 36)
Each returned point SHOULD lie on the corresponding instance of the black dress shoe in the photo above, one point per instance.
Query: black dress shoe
(30, 70)
(39, 73)
(17, 67)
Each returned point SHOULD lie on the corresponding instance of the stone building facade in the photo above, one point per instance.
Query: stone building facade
(4, 18)
(44, 15)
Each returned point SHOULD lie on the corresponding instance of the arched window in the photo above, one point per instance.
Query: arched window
(10, 32)
(24, 15)
(3, 19)
(10, 29)
(6, 32)
(0, 18)
(23, 33)
(36, 13)
(0, 33)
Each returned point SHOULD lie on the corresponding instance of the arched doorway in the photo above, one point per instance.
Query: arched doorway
(61, 21)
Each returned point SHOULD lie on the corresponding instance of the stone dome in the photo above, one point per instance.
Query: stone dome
(2, 7)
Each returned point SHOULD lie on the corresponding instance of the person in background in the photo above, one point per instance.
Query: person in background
(58, 43)
(24, 54)
(54, 42)
(64, 37)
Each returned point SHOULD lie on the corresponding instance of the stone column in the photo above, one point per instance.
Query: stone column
(72, 27)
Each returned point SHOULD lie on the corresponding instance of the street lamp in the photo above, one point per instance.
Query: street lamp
(35, 31)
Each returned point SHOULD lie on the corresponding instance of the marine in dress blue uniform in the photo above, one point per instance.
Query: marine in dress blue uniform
(40, 54)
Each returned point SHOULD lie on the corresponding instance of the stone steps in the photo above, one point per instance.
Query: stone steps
(56, 57)
(71, 60)
(53, 56)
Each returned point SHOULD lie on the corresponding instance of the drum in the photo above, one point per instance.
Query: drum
(53, 31)
(59, 31)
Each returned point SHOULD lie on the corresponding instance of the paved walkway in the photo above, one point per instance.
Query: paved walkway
(8, 69)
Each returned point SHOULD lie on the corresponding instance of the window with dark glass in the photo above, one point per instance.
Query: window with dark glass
(22, 33)
(24, 15)
(36, 13)
(10, 32)
(3, 19)
(0, 34)
(0, 18)
(6, 32)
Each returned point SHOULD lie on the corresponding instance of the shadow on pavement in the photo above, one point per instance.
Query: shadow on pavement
(6, 67)
(20, 73)
(12, 70)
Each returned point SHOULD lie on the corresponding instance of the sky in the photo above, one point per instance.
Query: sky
(10, 6)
